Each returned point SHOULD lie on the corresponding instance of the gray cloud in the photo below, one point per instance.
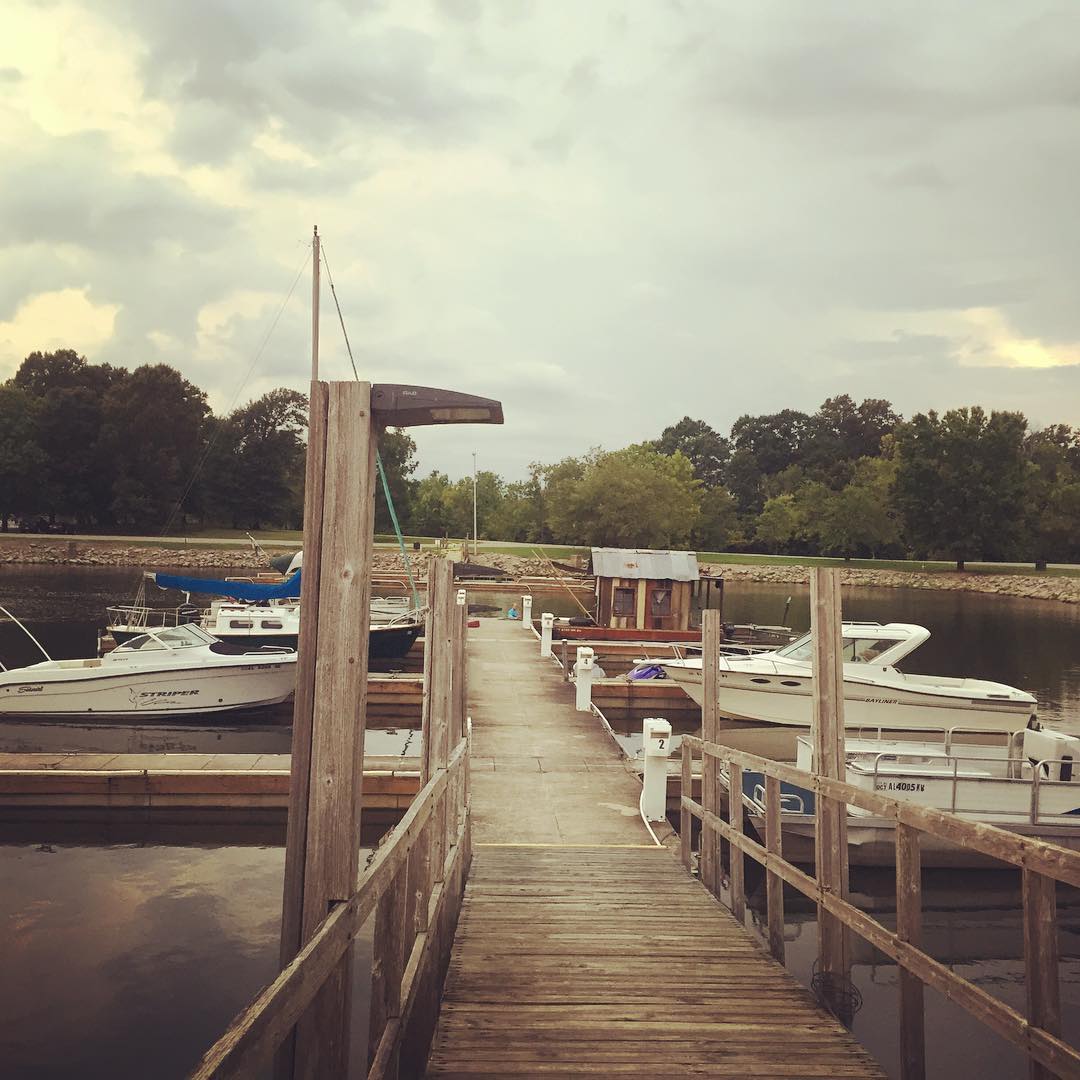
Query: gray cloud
(608, 215)
(70, 190)
(317, 71)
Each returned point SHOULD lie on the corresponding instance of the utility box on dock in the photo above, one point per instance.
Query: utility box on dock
(583, 674)
(644, 590)
(656, 748)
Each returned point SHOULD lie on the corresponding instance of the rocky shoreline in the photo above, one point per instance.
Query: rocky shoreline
(86, 553)
(1029, 587)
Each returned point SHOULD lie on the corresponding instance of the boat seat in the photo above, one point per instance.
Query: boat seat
(229, 648)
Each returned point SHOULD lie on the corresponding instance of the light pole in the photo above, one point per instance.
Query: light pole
(475, 536)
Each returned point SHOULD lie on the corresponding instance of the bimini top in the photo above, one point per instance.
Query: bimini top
(637, 563)
(237, 590)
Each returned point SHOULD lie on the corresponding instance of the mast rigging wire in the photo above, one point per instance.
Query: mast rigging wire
(378, 456)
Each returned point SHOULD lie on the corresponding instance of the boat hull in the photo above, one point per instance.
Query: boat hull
(385, 642)
(609, 633)
(865, 706)
(873, 843)
(131, 693)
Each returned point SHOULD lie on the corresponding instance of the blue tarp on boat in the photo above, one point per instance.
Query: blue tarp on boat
(237, 590)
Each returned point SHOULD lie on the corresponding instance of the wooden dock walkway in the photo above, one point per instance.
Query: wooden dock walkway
(582, 949)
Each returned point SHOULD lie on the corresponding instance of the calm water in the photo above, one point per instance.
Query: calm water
(128, 947)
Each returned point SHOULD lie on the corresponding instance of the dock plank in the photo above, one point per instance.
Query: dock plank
(581, 948)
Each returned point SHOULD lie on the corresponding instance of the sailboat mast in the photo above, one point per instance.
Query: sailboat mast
(315, 261)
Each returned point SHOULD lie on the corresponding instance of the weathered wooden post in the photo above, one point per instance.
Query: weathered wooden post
(735, 853)
(1041, 960)
(830, 848)
(440, 723)
(439, 698)
(461, 670)
(323, 841)
(774, 883)
(686, 791)
(711, 635)
(909, 929)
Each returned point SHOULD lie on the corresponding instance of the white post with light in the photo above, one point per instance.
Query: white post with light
(656, 740)
(583, 673)
(547, 625)
(526, 612)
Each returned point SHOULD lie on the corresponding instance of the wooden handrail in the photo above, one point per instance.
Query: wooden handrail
(259, 1029)
(1042, 863)
(1021, 851)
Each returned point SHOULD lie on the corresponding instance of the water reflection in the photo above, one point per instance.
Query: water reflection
(129, 961)
(130, 943)
(972, 923)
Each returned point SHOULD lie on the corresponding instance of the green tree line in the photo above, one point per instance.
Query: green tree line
(106, 448)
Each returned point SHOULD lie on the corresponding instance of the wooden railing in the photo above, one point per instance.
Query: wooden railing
(413, 885)
(1041, 864)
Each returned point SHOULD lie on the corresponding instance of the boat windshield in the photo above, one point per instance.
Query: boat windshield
(172, 637)
(857, 650)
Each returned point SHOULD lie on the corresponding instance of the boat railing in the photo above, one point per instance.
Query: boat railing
(1016, 769)
(877, 731)
(1035, 1028)
(146, 618)
(384, 579)
(1039, 782)
(790, 802)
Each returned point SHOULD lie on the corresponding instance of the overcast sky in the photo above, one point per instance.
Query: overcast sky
(607, 214)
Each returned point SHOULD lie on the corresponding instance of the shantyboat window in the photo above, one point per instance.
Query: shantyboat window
(623, 602)
(240, 624)
(660, 602)
(272, 624)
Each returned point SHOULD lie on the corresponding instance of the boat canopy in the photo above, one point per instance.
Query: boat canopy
(237, 590)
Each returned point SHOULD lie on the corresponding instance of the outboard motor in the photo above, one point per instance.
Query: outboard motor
(1060, 752)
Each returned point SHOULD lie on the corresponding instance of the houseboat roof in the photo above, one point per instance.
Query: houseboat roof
(638, 563)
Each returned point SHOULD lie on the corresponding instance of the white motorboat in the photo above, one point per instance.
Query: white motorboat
(177, 670)
(262, 613)
(777, 687)
(1029, 784)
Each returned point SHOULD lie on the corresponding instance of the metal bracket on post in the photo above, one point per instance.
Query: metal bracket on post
(583, 673)
(656, 747)
(547, 624)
